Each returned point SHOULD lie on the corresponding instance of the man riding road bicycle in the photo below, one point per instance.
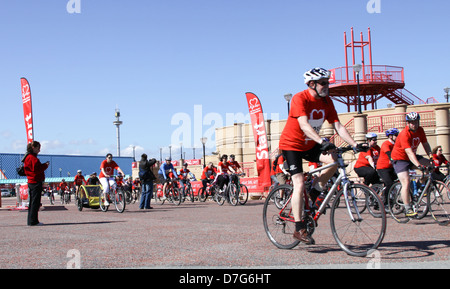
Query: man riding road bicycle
(300, 140)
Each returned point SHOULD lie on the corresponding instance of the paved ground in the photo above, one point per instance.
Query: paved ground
(195, 235)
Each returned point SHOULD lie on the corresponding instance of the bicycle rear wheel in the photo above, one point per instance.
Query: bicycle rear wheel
(243, 194)
(119, 200)
(439, 202)
(279, 222)
(365, 232)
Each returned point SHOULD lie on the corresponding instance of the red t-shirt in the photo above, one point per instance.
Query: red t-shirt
(235, 165)
(362, 161)
(183, 174)
(224, 167)
(109, 168)
(208, 173)
(439, 160)
(317, 111)
(408, 139)
(383, 161)
(79, 180)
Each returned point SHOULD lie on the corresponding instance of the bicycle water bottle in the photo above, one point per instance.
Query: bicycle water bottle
(319, 201)
(414, 183)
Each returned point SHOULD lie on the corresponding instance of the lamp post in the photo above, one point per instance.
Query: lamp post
(447, 89)
(357, 69)
(288, 98)
(118, 123)
(181, 151)
(170, 152)
(204, 140)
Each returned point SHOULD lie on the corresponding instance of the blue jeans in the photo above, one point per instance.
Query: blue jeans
(147, 195)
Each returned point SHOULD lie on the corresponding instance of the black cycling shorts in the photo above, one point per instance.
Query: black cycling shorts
(295, 159)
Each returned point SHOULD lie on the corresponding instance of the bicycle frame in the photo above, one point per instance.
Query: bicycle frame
(341, 179)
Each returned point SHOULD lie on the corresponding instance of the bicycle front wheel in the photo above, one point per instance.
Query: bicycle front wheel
(176, 196)
(356, 230)
(278, 221)
(233, 194)
(243, 194)
(190, 194)
(439, 202)
(119, 200)
(202, 194)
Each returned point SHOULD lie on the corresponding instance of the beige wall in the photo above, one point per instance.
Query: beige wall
(238, 139)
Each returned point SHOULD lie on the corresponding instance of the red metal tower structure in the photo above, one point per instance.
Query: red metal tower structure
(375, 81)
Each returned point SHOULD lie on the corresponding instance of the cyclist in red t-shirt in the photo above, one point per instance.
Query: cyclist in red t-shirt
(384, 165)
(439, 160)
(365, 166)
(234, 167)
(208, 174)
(405, 158)
(78, 181)
(223, 169)
(300, 140)
(107, 168)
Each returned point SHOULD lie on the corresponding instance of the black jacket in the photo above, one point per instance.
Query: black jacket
(146, 166)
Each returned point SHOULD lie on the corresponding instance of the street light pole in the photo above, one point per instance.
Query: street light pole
(447, 89)
(357, 69)
(204, 140)
(288, 98)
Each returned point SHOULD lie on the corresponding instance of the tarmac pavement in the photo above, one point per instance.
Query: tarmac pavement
(196, 236)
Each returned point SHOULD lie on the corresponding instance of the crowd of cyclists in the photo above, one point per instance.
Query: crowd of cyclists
(220, 175)
(377, 165)
(300, 140)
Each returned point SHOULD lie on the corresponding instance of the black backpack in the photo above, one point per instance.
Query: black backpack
(21, 170)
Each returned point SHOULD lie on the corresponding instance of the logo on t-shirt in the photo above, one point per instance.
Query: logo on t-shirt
(316, 119)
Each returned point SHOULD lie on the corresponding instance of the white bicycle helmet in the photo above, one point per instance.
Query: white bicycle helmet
(412, 116)
(316, 74)
(371, 135)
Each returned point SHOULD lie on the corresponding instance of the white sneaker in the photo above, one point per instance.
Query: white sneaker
(106, 203)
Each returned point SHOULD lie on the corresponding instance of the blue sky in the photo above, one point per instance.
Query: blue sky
(159, 61)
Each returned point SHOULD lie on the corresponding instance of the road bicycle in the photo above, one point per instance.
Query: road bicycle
(171, 193)
(65, 197)
(210, 191)
(433, 197)
(136, 194)
(51, 196)
(229, 193)
(188, 191)
(358, 226)
(242, 190)
(115, 195)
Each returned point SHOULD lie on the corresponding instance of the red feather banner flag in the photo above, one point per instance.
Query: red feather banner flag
(27, 109)
(261, 142)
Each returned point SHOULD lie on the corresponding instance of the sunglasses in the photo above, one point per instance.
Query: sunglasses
(323, 83)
